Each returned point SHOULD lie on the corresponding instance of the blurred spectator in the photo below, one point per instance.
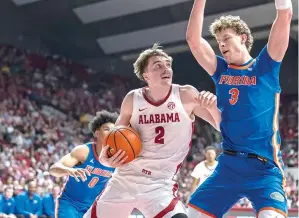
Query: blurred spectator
(49, 202)
(28, 203)
(7, 204)
(205, 168)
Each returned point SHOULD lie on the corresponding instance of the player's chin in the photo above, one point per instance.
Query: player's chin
(166, 81)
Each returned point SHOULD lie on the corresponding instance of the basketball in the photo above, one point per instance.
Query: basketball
(126, 139)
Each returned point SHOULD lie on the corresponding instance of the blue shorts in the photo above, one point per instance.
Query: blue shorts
(237, 177)
(66, 209)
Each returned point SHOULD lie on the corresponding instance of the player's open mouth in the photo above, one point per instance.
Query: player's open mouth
(165, 77)
(224, 52)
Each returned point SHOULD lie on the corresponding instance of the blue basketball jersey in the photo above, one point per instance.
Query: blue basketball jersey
(248, 97)
(82, 194)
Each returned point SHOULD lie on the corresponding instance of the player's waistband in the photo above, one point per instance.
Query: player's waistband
(246, 155)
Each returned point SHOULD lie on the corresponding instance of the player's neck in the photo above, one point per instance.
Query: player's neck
(99, 147)
(243, 59)
(157, 94)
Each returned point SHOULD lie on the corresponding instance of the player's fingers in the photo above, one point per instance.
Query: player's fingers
(105, 148)
(75, 176)
(82, 174)
(87, 172)
(201, 94)
(115, 155)
(79, 176)
(104, 152)
(121, 161)
(209, 99)
(214, 99)
(119, 157)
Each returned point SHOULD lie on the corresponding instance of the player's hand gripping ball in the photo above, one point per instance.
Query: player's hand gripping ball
(126, 139)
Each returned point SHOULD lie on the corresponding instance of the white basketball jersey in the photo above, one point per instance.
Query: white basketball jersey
(166, 132)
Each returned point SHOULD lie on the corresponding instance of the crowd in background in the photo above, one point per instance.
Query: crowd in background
(45, 102)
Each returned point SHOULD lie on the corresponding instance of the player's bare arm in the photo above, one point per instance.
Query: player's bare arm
(201, 104)
(280, 31)
(126, 110)
(64, 166)
(200, 48)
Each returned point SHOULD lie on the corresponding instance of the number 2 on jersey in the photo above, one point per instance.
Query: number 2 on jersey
(234, 92)
(160, 131)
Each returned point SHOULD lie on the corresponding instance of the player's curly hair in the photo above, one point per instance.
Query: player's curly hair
(235, 23)
(101, 118)
(142, 61)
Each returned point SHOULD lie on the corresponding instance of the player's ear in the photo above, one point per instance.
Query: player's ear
(145, 76)
(243, 38)
(96, 133)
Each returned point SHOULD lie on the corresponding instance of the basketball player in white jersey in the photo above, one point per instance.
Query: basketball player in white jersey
(205, 168)
(163, 115)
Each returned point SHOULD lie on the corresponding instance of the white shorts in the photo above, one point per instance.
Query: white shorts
(126, 190)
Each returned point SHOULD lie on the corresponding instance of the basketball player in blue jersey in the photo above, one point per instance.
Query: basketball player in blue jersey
(87, 175)
(248, 97)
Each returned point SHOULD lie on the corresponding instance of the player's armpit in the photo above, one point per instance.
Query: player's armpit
(280, 34)
(126, 110)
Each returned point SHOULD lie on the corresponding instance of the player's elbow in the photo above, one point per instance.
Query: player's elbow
(54, 170)
(285, 16)
(192, 43)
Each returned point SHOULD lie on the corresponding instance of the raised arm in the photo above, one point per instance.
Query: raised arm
(126, 110)
(280, 31)
(64, 166)
(200, 48)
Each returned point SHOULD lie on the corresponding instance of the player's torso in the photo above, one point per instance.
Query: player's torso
(84, 193)
(249, 100)
(165, 129)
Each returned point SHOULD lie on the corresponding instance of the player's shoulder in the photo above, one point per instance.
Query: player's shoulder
(130, 95)
(187, 89)
(81, 150)
(188, 92)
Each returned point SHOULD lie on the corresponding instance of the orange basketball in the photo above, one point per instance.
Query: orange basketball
(126, 139)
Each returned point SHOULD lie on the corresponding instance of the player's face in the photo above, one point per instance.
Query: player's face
(159, 71)
(231, 44)
(210, 155)
(104, 130)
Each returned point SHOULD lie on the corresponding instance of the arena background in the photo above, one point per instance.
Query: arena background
(63, 60)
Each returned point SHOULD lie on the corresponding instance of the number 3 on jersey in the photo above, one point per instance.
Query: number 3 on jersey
(234, 92)
(160, 131)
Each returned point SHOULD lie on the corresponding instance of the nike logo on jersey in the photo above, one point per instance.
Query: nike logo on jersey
(142, 109)
(91, 161)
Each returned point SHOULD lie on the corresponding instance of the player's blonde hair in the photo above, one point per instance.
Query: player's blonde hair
(142, 61)
(235, 23)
